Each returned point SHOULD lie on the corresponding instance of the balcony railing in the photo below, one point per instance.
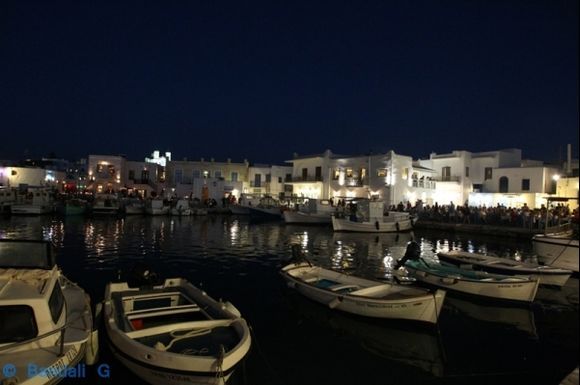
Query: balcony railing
(429, 184)
(307, 179)
(446, 178)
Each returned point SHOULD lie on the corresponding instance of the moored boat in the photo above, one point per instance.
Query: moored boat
(45, 319)
(546, 274)
(156, 206)
(479, 283)
(362, 296)
(174, 333)
(557, 250)
(105, 204)
(368, 217)
(181, 208)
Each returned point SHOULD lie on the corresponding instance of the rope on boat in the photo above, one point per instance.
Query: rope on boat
(219, 373)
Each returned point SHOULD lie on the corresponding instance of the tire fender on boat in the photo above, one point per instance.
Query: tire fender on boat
(377, 225)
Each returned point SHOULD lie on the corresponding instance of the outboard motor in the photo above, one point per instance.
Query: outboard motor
(413, 252)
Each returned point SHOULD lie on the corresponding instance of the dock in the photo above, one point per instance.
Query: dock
(500, 231)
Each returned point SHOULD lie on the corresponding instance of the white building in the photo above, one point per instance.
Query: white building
(106, 173)
(391, 177)
(269, 180)
(31, 176)
(159, 159)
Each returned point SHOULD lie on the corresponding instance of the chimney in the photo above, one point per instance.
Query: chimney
(569, 160)
(229, 160)
(202, 159)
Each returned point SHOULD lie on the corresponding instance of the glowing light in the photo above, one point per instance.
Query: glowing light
(556, 177)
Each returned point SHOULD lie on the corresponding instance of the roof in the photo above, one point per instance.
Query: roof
(24, 284)
(424, 169)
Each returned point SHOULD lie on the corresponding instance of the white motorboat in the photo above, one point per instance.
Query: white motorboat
(479, 283)
(557, 250)
(45, 319)
(546, 274)
(362, 296)
(174, 333)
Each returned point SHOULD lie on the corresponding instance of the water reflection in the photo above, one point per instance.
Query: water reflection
(239, 261)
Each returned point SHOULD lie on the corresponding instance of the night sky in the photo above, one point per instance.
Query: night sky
(262, 80)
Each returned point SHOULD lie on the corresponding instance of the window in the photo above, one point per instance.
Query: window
(349, 172)
(318, 173)
(145, 176)
(268, 178)
(234, 176)
(288, 178)
(446, 173)
(56, 303)
(217, 174)
(467, 172)
(17, 323)
(336, 174)
(304, 174)
(196, 174)
(525, 185)
(258, 180)
(381, 172)
(178, 176)
(488, 173)
(279, 179)
(503, 184)
(131, 174)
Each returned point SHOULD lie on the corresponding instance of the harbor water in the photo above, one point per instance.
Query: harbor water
(296, 341)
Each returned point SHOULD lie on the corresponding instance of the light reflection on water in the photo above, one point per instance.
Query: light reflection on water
(239, 261)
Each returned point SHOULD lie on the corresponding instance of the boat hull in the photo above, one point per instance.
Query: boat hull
(297, 217)
(30, 210)
(339, 224)
(423, 308)
(508, 288)
(557, 251)
(545, 274)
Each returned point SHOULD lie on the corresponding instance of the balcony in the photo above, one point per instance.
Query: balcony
(447, 178)
(428, 184)
(307, 179)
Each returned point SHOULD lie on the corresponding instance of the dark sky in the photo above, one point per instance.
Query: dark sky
(262, 80)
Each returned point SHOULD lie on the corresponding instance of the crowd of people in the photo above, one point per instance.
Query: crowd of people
(499, 215)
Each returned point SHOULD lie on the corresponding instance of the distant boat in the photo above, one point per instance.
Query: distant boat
(105, 204)
(546, 274)
(369, 218)
(133, 206)
(315, 211)
(181, 208)
(156, 206)
(34, 201)
(72, 207)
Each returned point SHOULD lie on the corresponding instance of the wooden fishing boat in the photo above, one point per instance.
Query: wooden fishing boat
(479, 283)
(557, 250)
(547, 275)
(174, 333)
(45, 319)
(363, 296)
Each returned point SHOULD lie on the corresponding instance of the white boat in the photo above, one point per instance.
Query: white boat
(314, 211)
(267, 209)
(174, 333)
(45, 319)
(546, 274)
(105, 204)
(479, 283)
(556, 250)
(35, 201)
(363, 296)
(133, 206)
(156, 206)
(369, 218)
(181, 208)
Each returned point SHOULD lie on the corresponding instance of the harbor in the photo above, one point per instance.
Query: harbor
(295, 340)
